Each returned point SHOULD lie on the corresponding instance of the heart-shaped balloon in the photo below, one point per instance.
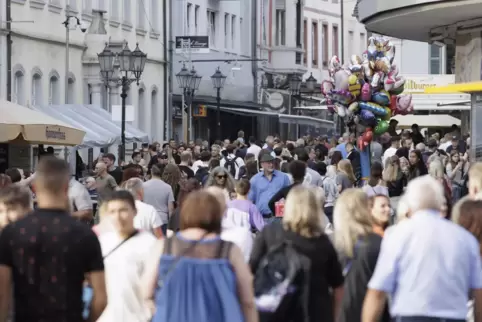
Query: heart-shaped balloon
(382, 127)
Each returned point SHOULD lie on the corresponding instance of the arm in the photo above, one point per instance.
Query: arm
(151, 271)
(112, 183)
(94, 271)
(277, 197)
(170, 203)
(255, 218)
(244, 280)
(156, 224)
(83, 203)
(28, 181)
(373, 305)
(335, 277)
(252, 191)
(258, 251)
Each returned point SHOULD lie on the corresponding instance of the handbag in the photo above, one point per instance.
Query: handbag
(88, 292)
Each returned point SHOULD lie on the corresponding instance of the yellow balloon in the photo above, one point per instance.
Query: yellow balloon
(352, 79)
(389, 114)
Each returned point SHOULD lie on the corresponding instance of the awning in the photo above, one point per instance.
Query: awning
(21, 123)
(97, 123)
(283, 118)
(471, 87)
(431, 121)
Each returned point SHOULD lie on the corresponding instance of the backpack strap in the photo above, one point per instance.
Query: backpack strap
(224, 249)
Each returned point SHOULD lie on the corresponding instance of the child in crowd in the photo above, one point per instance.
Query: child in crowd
(244, 205)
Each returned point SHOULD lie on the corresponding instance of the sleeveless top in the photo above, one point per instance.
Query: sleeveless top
(196, 282)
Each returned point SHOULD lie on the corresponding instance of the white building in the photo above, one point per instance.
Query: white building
(38, 55)
(228, 25)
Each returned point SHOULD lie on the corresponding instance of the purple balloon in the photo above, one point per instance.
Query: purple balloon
(366, 115)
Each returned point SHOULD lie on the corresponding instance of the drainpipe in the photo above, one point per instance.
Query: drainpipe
(9, 48)
(169, 74)
(166, 66)
(254, 43)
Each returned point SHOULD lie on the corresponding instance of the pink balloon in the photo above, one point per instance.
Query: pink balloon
(366, 93)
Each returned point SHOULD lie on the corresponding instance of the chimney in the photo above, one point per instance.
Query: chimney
(97, 27)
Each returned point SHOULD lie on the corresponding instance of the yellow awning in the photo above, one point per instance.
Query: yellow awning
(455, 88)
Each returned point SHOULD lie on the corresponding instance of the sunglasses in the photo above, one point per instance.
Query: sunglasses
(221, 177)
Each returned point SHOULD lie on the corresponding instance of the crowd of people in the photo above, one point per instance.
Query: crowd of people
(248, 231)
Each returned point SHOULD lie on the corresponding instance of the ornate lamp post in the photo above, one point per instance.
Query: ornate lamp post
(131, 66)
(218, 79)
(189, 82)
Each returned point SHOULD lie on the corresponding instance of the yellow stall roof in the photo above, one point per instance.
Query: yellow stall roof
(471, 87)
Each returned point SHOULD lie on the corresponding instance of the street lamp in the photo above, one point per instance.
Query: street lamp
(131, 66)
(218, 83)
(189, 82)
(311, 83)
(71, 22)
(295, 84)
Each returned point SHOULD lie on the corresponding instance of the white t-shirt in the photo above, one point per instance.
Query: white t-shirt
(238, 163)
(390, 152)
(254, 149)
(123, 270)
(147, 218)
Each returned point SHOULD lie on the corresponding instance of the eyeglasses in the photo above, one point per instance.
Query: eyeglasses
(221, 176)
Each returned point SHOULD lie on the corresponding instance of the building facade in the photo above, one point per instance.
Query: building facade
(38, 53)
(228, 26)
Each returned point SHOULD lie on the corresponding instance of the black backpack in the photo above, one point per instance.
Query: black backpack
(230, 165)
(281, 284)
(202, 175)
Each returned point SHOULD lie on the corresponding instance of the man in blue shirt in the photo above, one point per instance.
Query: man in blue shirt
(428, 276)
(265, 184)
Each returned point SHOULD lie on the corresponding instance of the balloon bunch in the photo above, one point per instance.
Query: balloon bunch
(367, 91)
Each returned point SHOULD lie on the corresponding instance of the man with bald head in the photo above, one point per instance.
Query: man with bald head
(105, 183)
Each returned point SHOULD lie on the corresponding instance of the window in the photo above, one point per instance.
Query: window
(36, 90)
(211, 15)
(18, 88)
(280, 27)
(226, 30)
(54, 91)
(154, 13)
(188, 20)
(314, 44)
(324, 41)
(351, 40)
(435, 61)
(335, 40)
(114, 10)
(363, 42)
(305, 41)
(71, 91)
(101, 5)
(233, 31)
(72, 4)
(154, 116)
(141, 18)
(196, 20)
(141, 109)
(127, 11)
(241, 36)
(87, 6)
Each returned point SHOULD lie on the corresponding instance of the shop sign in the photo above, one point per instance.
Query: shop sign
(416, 84)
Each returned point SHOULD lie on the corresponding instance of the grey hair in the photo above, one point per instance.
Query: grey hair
(420, 147)
(220, 170)
(424, 193)
(134, 186)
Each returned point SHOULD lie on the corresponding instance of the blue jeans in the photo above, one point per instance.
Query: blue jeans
(164, 229)
(423, 319)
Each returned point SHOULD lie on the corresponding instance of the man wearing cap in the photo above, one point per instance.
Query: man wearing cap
(457, 144)
(265, 184)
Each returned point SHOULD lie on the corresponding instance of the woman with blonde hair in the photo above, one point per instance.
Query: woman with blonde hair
(359, 245)
(345, 177)
(303, 225)
(221, 178)
(394, 178)
(172, 175)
